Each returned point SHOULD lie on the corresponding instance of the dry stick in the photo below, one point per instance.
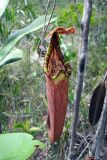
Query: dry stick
(99, 137)
(101, 132)
(80, 71)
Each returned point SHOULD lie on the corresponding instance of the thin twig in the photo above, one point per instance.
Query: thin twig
(80, 71)
(16, 116)
(46, 11)
(41, 1)
(84, 150)
(50, 16)
(41, 46)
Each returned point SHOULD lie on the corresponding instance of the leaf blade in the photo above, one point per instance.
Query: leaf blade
(17, 146)
(15, 55)
(14, 38)
(3, 5)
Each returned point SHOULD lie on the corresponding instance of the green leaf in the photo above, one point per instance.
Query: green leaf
(24, 126)
(19, 126)
(70, 56)
(40, 144)
(34, 129)
(3, 5)
(17, 146)
(15, 37)
(15, 55)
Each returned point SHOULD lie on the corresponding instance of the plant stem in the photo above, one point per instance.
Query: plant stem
(85, 22)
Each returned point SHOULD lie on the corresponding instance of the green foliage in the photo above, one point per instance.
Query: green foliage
(3, 5)
(14, 38)
(71, 16)
(22, 84)
(25, 127)
(17, 146)
(13, 56)
(9, 15)
(22, 141)
(70, 56)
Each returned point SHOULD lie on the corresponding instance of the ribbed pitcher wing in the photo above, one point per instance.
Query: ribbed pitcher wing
(96, 104)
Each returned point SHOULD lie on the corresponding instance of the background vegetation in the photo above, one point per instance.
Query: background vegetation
(23, 103)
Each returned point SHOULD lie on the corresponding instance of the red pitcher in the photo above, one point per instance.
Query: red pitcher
(57, 72)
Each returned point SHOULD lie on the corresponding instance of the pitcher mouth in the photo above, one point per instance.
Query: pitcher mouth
(54, 62)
